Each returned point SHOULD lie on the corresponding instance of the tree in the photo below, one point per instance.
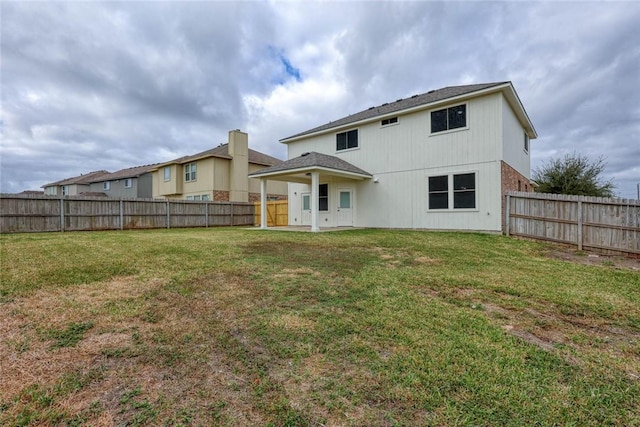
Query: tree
(573, 174)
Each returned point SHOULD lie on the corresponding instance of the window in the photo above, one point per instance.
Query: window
(106, 186)
(463, 191)
(346, 140)
(439, 192)
(323, 197)
(65, 190)
(526, 143)
(205, 197)
(127, 183)
(51, 191)
(167, 173)
(449, 118)
(389, 121)
(189, 197)
(190, 172)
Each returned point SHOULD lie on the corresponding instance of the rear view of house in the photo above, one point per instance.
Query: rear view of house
(439, 160)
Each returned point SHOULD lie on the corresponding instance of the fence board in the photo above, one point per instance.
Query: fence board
(611, 225)
(28, 213)
(277, 213)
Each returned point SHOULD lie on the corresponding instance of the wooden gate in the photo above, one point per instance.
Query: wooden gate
(277, 213)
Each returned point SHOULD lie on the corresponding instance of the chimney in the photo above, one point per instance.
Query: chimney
(239, 181)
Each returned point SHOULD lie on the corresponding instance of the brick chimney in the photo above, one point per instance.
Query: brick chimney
(239, 181)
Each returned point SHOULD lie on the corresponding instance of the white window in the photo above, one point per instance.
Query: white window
(106, 186)
(190, 172)
(526, 143)
(205, 197)
(65, 190)
(323, 197)
(389, 121)
(347, 140)
(454, 191)
(128, 183)
(167, 173)
(51, 191)
(449, 118)
(189, 197)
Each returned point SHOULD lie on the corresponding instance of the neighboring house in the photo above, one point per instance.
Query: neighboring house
(73, 186)
(440, 160)
(130, 183)
(219, 174)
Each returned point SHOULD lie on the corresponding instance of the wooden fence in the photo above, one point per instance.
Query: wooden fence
(609, 225)
(19, 214)
(277, 213)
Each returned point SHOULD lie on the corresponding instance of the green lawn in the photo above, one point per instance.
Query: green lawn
(360, 327)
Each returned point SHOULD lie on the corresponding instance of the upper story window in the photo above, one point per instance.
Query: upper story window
(51, 191)
(167, 173)
(128, 182)
(526, 143)
(190, 172)
(347, 140)
(106, 186)
(449, 118)
(389, 121)
(65, 190)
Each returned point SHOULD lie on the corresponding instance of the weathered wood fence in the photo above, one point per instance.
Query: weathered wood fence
(20, 214)
(609, 225)
(277, 213)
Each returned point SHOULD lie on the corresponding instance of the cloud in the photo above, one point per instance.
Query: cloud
(108, 85)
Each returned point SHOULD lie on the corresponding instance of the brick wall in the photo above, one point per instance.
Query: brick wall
(512, 180)
(220, 196)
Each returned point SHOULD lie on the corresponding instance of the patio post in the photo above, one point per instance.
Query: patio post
(315, 178)
(263, 203)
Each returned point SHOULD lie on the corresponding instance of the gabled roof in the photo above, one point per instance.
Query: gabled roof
(312, 161)
(424, 101)
(133, 172)
(80, 179)
(222, 151)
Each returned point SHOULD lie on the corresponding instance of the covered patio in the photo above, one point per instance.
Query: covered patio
(309, 168)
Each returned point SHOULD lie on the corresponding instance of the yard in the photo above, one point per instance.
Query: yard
(363, 327)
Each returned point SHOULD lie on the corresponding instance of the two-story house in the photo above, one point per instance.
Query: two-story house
(74, 186)
(219, 174)
(129, 183)
(439, 160)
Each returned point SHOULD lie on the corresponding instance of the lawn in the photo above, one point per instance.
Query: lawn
(362, 327)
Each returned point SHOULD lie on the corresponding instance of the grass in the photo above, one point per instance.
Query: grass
(362, 327)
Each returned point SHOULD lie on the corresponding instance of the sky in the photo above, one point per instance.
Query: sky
(87, 86)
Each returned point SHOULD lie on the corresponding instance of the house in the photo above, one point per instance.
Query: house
(440, 160)
(73, 186)
(129, 183)
(218, 174)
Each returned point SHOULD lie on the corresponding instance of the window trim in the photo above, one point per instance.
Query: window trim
(526, 142)
(451, 192)
(106, 186)
(389, 122)
(190, 172)
(167, 173)
(128, 181)
(346, 132)
(323, 197)
(442, 132)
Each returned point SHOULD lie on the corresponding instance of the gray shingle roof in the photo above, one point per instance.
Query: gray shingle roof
(222, 151)
(80, 179)
(132, 172)
(401, 104)
(313, 160)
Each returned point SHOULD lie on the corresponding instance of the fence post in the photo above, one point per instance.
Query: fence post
(206, 214)
(61, 213)
(507, 208)
(168, 215)
(232, 209)
(121, 215)
(579, 225)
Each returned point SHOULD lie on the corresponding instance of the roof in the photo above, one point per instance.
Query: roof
(222, 151)
(416, 101)
(80, 179)
(313, 160)
(132, 172)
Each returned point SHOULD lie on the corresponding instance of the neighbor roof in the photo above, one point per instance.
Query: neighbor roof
(222, 151)
(80, 179)
(133, 172)
(414, 101)
(313, 160)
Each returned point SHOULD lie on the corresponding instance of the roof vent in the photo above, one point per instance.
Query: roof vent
(371, 108)
(431, 91)
(414, 96)
(398, 100)
(386, 103)
(305, 154)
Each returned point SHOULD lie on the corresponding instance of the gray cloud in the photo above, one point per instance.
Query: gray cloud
(109, 85)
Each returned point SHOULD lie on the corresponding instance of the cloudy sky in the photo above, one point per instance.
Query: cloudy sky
(109, 85)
